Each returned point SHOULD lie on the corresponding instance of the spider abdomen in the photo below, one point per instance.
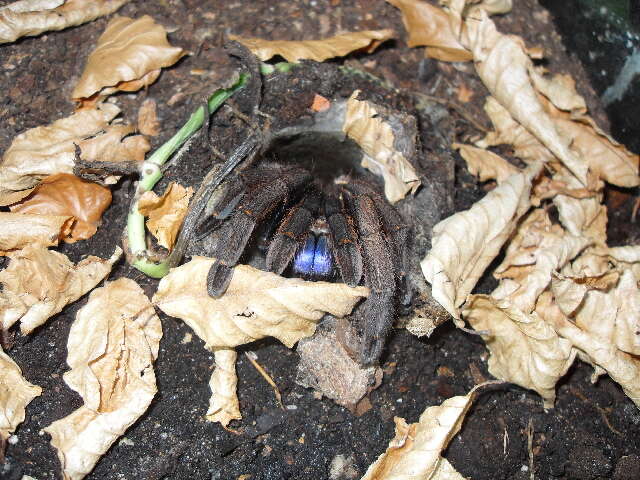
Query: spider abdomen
(314, 258)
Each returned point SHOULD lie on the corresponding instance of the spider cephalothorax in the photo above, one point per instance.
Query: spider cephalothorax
(343, 226)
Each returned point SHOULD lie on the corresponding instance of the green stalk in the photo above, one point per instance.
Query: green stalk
(151, 173)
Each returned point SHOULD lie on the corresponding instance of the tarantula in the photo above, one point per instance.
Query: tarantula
(345, 223)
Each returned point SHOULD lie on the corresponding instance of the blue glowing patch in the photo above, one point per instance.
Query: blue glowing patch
(314, 258)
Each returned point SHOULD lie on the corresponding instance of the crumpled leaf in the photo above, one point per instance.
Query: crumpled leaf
(607, 306)
(43, 151)
(112, 345)
(414, 453)
(485, 164)
(257, 304)
(224, 405)
(318, 50)
(165, 213)
(505, 68)
(15, 394)
(430, 26)
(524, 349)
(22, 229)
(537, 251)
(128, 56)
(38, 283)
(621, 367)
(114, 145)
(464, 244)
(148, 123)
(32, 17)
(623, 257)
(377, 140)
(68, 195)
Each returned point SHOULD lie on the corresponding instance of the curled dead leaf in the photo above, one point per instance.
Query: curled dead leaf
(43, 151)
(415, 452)
(32, 17)
(383, 154)
(15, 394)
(464, 244)
(165, 213)
(485, 164)
(67, 195)
(148, 123)
(224, 405)
(112, 345)
(128, 56)
(38, 283)
(524, 349)
(22, 229)
(430, 26)
(257, 304)
(318, 50)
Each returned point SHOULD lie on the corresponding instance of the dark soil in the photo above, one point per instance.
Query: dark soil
(592, 433)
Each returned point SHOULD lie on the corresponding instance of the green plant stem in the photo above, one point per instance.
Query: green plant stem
(151, 173)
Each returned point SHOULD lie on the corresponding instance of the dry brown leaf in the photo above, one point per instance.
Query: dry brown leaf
(505, 68)
(622, 257)
(524, 349)
(128, 56)
(485, 164)
(223, 404)
(430, 26)
(148, 123)
(415, 452)
(257, 304)
(115, 144)
(621, 367)
(318, 50)
(560, 90)
(32, 17)
(464, 244)
(165, 213)
(377, 140)
(15, 394)
(38, 283)
(68, 195)
(22, 229)
(537, 251)
(43, 151)
(112, 345)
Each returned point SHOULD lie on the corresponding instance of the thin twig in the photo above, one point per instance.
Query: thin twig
(252, 358)
(530, 448)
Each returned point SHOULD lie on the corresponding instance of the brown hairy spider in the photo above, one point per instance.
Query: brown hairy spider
(345, 223)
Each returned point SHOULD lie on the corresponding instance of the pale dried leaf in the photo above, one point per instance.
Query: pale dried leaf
(560, 90)
(621, 367)
(15, 394)
(257, 304)
(377, 140)
(492, 7)
(318, 50)
(524, 349)
(430, 26)
(415, 452)
(165, 213)
(32, 17)
(464, 244)
(485, 164)
(43, 151)
(22, 229)
(537, 251)
(112, 345)
(38, 283)
(505, 68)
(127, 51)
(223, 404)
(64, 194)
(623, 257)
(148, 123)
(115, 144)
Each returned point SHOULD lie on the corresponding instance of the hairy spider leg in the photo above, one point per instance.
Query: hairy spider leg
(343, 239)
(259, 201)
(292, 232)
(378, 309)
(227, 201)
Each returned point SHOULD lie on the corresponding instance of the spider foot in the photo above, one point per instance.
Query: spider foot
(218, 279)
